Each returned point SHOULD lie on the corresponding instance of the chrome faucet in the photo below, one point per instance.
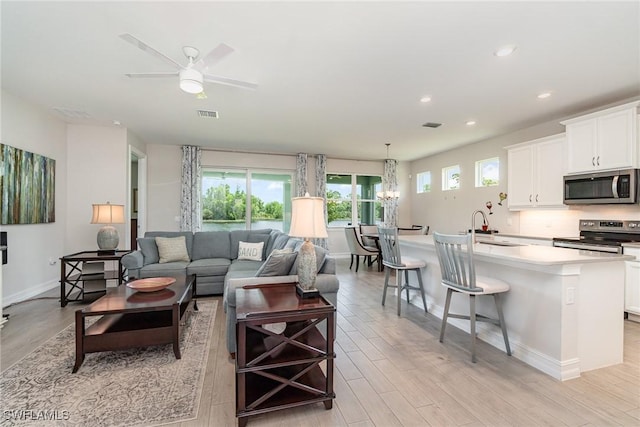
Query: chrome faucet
(485, 221)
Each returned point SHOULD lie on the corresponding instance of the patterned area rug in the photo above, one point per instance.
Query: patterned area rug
(140, 387)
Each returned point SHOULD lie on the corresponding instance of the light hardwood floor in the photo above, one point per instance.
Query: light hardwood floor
(392, 371)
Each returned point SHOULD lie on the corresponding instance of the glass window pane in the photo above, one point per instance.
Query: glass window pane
(451, 178)
(270, 201)
(424, 182)
(224, 196)
(488, 172)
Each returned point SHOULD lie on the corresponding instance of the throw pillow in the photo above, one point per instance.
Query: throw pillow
(172, 249)
(321, 254)
(250, 251)
(149, 250)
(278, 264)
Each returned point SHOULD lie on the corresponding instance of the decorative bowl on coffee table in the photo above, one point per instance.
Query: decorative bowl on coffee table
(151, 284)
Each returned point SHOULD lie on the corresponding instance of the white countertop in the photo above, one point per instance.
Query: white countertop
(528, 254)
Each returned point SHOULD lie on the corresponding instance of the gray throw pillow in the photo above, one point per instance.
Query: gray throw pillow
(149, 250)
(278, 264)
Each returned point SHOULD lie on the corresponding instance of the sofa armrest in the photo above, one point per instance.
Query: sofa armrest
(133, 260)
(329, 266)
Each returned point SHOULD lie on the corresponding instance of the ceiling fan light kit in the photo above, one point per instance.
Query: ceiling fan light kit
(191, 80)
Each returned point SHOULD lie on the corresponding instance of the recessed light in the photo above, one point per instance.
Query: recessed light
(544, 95)
(425, 99)
(505, 50)
(471, 122)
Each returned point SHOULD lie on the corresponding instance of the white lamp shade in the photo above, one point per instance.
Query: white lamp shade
(307, 217)
(107, 214)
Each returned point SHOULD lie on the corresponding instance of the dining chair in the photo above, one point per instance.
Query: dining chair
(413, 230)
(358, 249)
(393, 260)
(368, 229)
(459, 276)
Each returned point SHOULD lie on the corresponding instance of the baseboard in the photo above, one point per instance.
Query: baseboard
(29, 293)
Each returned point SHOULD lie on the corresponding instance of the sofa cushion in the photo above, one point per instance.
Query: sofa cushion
(279, 263)
(211, 244)
(321, 254)
(209, 267)
(277, 240)
(173, 269)
(188, 236)
(250, 251)
(149, 250)
(247, 267)
(172, 249)
(251, 236)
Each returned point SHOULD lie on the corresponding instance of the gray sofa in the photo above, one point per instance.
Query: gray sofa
(213, 259)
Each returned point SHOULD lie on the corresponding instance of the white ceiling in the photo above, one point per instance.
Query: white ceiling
(336, 78)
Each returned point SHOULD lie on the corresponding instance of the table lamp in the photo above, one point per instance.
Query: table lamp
(307, 221)
(107, 214)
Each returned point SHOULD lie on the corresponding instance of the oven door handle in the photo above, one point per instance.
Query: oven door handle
(614, 187)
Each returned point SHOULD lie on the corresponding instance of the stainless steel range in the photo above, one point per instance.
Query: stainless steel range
(602, 235)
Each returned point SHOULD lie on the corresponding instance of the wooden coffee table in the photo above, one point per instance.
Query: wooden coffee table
(135, 319)
(282, 370)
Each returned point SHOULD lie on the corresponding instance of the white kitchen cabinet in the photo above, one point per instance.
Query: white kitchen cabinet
(604, 140)
(632, 284)
(535, 171)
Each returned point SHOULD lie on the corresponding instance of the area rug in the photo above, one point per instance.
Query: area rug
(140, 387)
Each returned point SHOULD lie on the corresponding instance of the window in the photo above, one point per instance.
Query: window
(351, 199)
(243, 199)
(488, 172)
(451, 178)
(424, 182)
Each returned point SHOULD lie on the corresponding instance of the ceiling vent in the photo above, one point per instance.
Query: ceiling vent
(208, 114)
(71, 113)
(431, 125)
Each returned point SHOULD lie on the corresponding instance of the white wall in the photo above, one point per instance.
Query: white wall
(31, 246)
(98, 165)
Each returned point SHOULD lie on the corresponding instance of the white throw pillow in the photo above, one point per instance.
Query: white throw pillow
(250, 251)
(171, 249)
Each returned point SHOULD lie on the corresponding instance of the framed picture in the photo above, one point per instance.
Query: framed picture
(27, 187)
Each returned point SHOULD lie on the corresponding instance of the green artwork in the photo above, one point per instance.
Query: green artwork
(27, 187)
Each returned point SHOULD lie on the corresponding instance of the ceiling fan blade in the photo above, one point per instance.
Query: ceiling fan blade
(230, 82)
(215, 56)
(146, 75)
(145, 47)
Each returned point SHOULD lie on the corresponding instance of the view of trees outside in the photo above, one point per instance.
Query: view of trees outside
(224, 200)
(424, 182)
(488, 172)
(341, 204)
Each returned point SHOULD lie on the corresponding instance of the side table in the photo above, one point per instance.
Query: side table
(75, 278)
(282, 370)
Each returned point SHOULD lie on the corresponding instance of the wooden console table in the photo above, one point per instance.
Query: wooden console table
(278, 371)
(75, 278)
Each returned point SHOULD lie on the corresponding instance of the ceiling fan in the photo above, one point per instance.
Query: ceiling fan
(195, 73)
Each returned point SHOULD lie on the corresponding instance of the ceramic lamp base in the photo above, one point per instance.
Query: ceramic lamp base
(108, 238)
(307, 271)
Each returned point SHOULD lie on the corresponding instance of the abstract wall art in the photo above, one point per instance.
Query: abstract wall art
(27, 187)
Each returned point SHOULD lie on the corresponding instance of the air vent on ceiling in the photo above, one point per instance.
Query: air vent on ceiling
(432, 125)
(208, 114)
(71, 113)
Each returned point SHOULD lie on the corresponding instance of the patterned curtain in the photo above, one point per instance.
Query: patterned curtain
(390, 186)
(301, 174)
(190, 212)
(321, 188)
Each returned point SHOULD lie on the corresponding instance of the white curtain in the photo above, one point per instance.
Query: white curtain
(190, 211)
(390, 186)
(301, 174)
(321, 191)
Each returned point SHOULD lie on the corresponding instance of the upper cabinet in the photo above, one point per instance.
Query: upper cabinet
(604, 140)
(535, 171)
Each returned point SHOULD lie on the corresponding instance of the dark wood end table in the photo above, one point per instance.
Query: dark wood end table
(282, 370)
(135, 319)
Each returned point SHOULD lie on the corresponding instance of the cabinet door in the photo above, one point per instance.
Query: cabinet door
(616, 138)
(549, 170)
(520, 177)
(581, 143)
(632, 287)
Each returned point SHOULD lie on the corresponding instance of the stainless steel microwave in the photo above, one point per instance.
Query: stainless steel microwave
(601, 188)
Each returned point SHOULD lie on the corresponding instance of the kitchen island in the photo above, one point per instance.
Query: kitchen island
(564, 312)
